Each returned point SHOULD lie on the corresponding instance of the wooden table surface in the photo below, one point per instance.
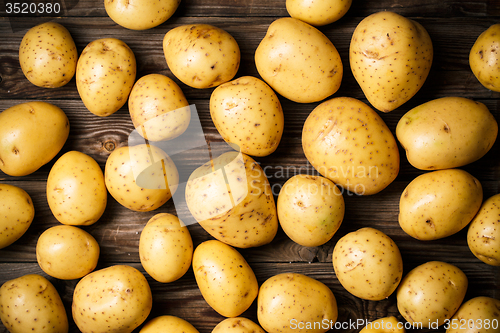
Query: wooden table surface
(453, 26)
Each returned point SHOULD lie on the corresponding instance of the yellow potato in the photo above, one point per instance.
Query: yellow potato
(32, 134)
(31, 303)
(439, 204)
(319, 12)
(165, 248)
(292, 302)
(105, 74)
(446, 133)
(431, 293)
(158, 108)
(298, 61)
(237, 325)
(483, 236)
(310, 209)
(113, 299)
(165, 323)
(478, 315)
(140, 14)
(16, 213)
(368, 264)
(247, 113)
(384, 325)
(48, 55)
(201, 55)
(67, 252)
(484, 58)
(390, 57)
(76, 192)
(230, 196)
(347, 142)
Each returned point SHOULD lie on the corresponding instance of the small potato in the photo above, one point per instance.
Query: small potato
(247, 113)
(439, 204)
(478, 315)
(165, 323)
(310, 209)
(201, 55)
(431, 293)
(319, 12)
(384, 325)
(31, 303)
(483, 236)
(105, 74)
(165, 248)
(31, 134)
(226, 281)
(237, 325)
(67, 252)
(368, 264)
(140, 14)
(16, 213)
(76, 192)
(484, 58)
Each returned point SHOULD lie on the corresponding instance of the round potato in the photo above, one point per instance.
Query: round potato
(201, 55)
(247, 113)
(140, 14)
(76, 192)
(310, 209)
(439, 204)
(237, 325)
(16, 213)
(478, 315)
(302, 69)
(483, 236)
(318, 13)
(31, 303)
(484, 58)
(32, 134)
(226, 281)
(368, 264)
(165, 248)
(384, 325)
(165, 323)
(67, 252)
(105, 74)
(431, 293)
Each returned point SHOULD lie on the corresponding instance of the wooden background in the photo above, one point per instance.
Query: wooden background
(453, 26)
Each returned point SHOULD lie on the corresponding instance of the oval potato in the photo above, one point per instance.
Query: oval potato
(17, 213)
(484, 58)
(237, 325)
(139, 14)
(318, 13)
(384, 325)
(167, 323)
(478, 315)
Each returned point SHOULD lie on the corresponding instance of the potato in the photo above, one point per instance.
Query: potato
(140, 14)
(158, 108)
(446, 133)
(310, 209)
(347, 142)
(483, 236)
(237, 325)
(439, 204)
(201, 55)
(484, 58)
(113, 299)
(48, 55)
(168, 323)
(105, 74)
(141, 178)
(31, 303)
(231, 198)
(165, 248)
(298, 61)
(292, 302)
(67, 252)
(384, 325)
(431, 293)
(368, 264)
(247, 113)
(390, 57)
(76, 192)
(17, 213)
(318, 13)
(32, 134)
(478, 315)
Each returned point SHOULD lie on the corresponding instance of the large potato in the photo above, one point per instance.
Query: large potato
(384, 325)
(318, 13)
(298, 61)
(76, 192)
(48, 55)
(201, 55)
(439, 204)
(166, 323)
(237, 325)
(31, 303)
(484, 58)
(431, 293)
(390, 57)
(446, 133)
(247, 113)
(347, 142)
(16, 213)
(31, 134)
(105, 74)
(478, 315)
(140, 14)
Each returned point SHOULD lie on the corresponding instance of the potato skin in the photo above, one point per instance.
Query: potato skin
(474, 315)
(139, 14)
(17, 213)
(167, 323)
(318, 13)
(484, 58)
(384, 325)
(237, 325)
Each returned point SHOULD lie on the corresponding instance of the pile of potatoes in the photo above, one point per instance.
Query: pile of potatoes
(343, 138)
